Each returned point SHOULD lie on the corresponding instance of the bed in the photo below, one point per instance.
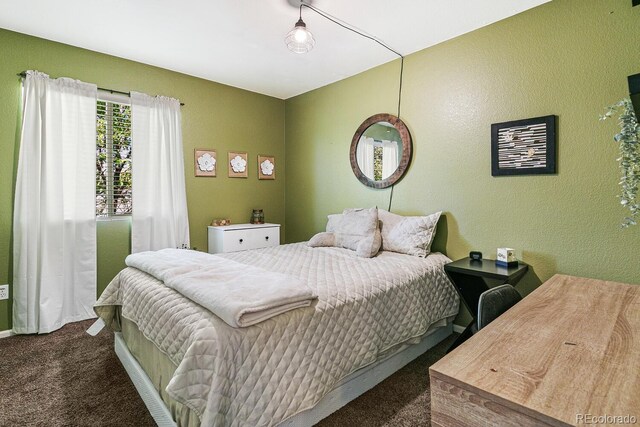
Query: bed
(372, 316)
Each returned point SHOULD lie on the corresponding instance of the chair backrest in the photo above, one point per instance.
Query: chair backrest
(494, 302)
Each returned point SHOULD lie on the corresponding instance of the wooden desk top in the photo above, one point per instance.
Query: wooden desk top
(570, 347)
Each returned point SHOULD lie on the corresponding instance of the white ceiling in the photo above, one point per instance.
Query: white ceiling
(241, 42)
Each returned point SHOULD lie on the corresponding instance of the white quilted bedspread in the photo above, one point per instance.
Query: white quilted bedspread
(263, 374)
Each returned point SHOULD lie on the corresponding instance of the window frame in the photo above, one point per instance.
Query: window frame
(109, 98)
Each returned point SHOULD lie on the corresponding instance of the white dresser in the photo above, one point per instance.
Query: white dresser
(241, 237)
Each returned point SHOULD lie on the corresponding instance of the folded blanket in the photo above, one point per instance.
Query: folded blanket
(239, 294)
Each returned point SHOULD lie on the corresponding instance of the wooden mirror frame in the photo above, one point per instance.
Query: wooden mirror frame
(403, 165)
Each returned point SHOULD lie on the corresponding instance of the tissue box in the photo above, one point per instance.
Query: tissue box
(506, 257)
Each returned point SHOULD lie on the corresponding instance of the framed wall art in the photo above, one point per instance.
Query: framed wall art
(524, 147)
(237, 164)
(266, 167)
(205, 162)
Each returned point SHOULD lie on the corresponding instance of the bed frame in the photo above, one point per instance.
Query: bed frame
(347, 390)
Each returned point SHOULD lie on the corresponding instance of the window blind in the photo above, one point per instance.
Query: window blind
(113, 159)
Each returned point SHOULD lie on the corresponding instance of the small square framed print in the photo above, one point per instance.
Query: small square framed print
(524, 147)
(205, 162)
(237, 164)
(266, 167)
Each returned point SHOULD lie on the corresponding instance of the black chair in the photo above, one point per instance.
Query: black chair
(494, 302)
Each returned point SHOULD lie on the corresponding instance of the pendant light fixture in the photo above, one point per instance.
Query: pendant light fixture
(300, 40)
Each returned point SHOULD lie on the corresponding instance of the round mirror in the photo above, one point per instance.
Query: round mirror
(380, 151)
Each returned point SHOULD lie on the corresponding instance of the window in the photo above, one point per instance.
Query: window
(377, 162)
(113, 159)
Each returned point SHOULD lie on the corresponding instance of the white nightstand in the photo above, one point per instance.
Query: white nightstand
(241, 237)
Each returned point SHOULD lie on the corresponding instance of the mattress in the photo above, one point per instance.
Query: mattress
(266, 373)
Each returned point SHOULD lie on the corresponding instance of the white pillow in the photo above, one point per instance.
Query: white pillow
(333, 222)
(355, 229)
(411, 235)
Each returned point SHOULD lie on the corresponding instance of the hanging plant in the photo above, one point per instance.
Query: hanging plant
(629, 160)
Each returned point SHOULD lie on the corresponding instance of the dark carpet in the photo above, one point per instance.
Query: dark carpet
(69, 378)
(66, 378)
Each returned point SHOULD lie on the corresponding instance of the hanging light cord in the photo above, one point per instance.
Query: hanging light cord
(400, 86)
(347, 26)
(390, 198)
(399, 99)
(370, 37)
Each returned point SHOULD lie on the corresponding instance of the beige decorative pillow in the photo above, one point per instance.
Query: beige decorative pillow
(369, 246)
(322, 239)
(356, 230)
(411, 235)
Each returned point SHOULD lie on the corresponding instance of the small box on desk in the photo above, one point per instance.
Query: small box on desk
(507, 264)
(506, 258)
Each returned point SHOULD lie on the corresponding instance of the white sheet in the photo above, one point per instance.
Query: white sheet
(239, 294)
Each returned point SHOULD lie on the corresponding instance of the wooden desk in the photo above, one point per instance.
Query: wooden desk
(570, 348)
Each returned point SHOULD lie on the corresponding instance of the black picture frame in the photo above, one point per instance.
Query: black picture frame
(524, 147)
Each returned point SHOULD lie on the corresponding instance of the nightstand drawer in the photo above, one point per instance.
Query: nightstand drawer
(242, 240)
(243, 237)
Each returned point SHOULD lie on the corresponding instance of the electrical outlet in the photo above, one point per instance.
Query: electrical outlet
(4, 292)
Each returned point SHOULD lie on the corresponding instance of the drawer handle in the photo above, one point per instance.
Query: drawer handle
(266, 238)
(241, 240)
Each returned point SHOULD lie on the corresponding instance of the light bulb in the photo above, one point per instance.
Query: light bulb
(300, 40)
(300, 34)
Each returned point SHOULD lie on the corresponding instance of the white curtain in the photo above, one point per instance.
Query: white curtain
(389, 158)
(54, 227)
(364, 156)
(159, 217)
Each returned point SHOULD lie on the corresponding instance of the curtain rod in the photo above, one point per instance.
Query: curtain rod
(24, 74)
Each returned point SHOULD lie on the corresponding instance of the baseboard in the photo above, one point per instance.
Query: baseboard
(457, 328)
(6, 334)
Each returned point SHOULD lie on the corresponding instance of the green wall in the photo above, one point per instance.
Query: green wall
(215, 116)
(381, 133)
(570, 58)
